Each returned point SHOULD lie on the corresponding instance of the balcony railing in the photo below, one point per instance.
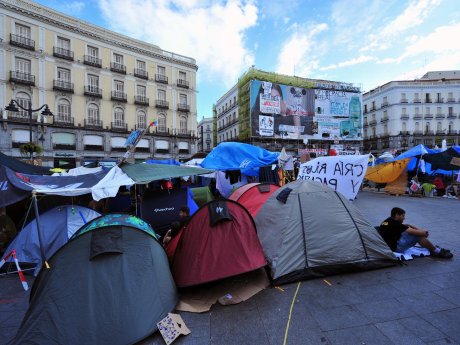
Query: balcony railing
(21, 117)
(93, 91)
(93, 123)
(417, 100)
(92, 61)
(119, 96)
(140, 126)
(440, 131)
(418, 133)
(403, 133)
(384, 104)
(439, 100)
(119, 126)
(63, 53)
(372, 122)
(21, 41)
(429, 132)
(428, 116)
(22, 78)
(384, 119)
(141, 73)
(417, 117)
(118, 67)
(159, 103)
(62, 85)
(183, 107)
(141, 100)
(450, 100)
(183, 83)
(452, 132)
(428, 100)
(404, 117)
(373, 108)
(440, 116)
(63, 120)
(451, 116)
(403, 100)
(366, 124)
(161, 78)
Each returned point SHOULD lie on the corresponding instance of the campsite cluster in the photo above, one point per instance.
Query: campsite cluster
(286, 230)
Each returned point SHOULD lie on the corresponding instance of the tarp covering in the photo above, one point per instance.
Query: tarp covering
(308, 230)
(57, 226)
(387, 172)
(442, 159)
(253, 195)
(102, 184)
(163, 161)
(16, 165)
(9, 194)
(145, 173)
(115, 298)
(239, 156)
(416, 151)
(203, 252)
(201, 195)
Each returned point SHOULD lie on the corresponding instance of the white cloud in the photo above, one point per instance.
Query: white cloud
(212, 33)
(73, 8)
(351, 62)
(298, 55)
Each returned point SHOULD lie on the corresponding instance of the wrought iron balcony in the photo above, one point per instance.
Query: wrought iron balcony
(89, 123)
(183, 107)
(62, 85)
(428, 116)
(63, 120)
(417, 100)
(119, 96)
(141, 73)
(418, 133)
(450, 100)
(63, 53)
(404, 117)
(119, 126)
(141, 100)
(92, 61)
(451, 116)
(183, 83)
(366, 124)
(452, 132)
(440, 116)
(22, 78)
(140, 126)
(403, 100)
(384, 120)
(159, 103)
(429, 132)
(372, 122)
(93, 91)
(118, 67)
(21, 116)
(440, 131)
(384, 104)
(439, 100)
(161, 78)
(417, 117)
(21, 41)
(428, 100)
(404, 133)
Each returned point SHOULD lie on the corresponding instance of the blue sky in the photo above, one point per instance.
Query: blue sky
(358, 41)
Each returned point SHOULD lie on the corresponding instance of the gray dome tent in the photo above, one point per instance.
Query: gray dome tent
(110, 284)
(308, 230)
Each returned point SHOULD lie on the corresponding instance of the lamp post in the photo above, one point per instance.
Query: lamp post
(13, 106)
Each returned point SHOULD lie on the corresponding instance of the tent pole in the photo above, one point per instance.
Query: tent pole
(37, 220)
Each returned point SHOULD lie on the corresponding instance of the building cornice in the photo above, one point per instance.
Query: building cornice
(54, 18)
(410, 85)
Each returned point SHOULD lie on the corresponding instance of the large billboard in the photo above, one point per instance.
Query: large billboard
(289, 112)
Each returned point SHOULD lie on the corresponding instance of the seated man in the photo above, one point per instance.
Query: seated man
(401, 237)
(184, 215)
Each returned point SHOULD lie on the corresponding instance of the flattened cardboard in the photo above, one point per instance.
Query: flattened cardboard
(232, 290)
(171, 327)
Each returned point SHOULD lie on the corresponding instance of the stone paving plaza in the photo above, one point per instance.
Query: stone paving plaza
(416, 303)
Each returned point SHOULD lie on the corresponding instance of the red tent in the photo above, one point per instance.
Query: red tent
(220, 241)
(253, 195)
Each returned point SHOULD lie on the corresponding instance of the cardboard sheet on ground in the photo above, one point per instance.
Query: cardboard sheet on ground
(232, 290)
(171, 327)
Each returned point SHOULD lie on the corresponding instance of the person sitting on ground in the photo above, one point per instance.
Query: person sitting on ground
(184, 215)
(400, 236)
(440, 187)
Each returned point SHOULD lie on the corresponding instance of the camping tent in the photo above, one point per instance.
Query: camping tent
(22, 167)
(220, 241)
(57, 226)
(110, 284)
(309, 230)
(253, 195)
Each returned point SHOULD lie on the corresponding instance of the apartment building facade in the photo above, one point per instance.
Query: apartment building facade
(99, 85)
(205, 135)
(401, 114)
(227, 116)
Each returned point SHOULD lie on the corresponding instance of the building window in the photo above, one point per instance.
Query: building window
(23, 31)
(93, 82)
(208, 128)
(417, 127)
(141, 119)
(118, 58)
(451, 111)
(403, 111)
(63, 43)
(161, 95)
(451, 126)
(118, 117)
(427, 110)
(438, 110)
(416, 99)
(23, 100)
(141, 91)
(63, 74)
(183, 99)
(161, 70)
(182, 76)
(183, 125)
(140, 65)
(404, 127)
(22, 65)
(427, 127)
(93, 113)
(439, 127)
(63, 112)
(93, 51)
(119, 86)
(161, 122)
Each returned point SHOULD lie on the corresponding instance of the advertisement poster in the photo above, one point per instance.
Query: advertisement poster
(289, 112)
(290, 108)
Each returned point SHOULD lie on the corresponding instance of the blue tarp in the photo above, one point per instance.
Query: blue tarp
(416, 151)
(239, 156)
(162, 161)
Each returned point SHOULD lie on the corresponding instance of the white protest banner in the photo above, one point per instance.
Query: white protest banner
(344, 174)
